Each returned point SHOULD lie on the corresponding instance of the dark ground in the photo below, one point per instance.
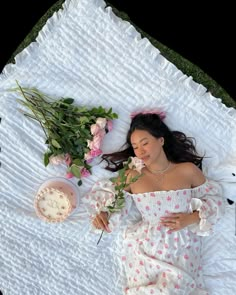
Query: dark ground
(203, 35)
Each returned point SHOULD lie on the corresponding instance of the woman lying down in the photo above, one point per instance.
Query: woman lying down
(177, 204)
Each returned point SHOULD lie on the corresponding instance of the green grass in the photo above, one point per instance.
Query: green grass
(180, 62)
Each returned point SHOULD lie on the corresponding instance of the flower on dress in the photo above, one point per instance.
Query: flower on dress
(74, 134)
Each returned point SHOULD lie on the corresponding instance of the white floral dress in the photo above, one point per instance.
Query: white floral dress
(157, 260)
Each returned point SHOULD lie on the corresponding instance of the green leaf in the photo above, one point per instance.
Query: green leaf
(78, 162)
(46, 158)
(113, 179)
(122, 172)
(123, 178)
(135, 178)
(79, 182)
(84, 120)
(68, 100)
(55, 143)
(75, 170)
(112, 210)
(119, 187)
(120, 206)
(129, 161)
(120, 202)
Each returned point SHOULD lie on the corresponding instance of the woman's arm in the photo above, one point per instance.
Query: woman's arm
(178, 221)
(207, 205)
(100, 221)
(101, 218)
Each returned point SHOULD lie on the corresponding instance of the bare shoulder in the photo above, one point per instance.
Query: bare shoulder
(130, 173)
(133, 179)
(193, 173)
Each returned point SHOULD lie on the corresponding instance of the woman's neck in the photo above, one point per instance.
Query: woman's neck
(162, 166)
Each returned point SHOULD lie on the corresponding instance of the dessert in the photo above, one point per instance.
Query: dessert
(55, 200)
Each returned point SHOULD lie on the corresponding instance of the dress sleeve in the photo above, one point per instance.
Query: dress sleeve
(102, 195)
(208, 200)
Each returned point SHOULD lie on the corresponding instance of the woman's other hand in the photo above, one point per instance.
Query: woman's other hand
(178, 221)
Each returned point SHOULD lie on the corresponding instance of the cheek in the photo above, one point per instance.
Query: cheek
(136, 153)
(154, 150)
(158, 150)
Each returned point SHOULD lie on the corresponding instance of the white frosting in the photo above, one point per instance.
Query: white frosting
(53, 205)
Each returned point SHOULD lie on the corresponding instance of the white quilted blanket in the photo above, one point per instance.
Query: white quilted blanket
(86, 52)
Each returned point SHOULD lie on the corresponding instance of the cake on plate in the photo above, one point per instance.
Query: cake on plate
(55, 200)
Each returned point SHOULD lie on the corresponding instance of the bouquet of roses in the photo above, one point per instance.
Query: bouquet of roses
(116, 202)
(74, 134)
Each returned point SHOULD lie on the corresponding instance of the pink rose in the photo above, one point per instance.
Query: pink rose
(69, 175)
(87, 156)
(97, 140)
(109, 125)
(88, 142)
(68, 159)
(94, 129)
(92, 154)
(136, 164)
(84, 172)
(95, 153)
(56, 160)
(101, 122)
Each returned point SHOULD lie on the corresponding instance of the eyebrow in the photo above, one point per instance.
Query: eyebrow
(145, 138)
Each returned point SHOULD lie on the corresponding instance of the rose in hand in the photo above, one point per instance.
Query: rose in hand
(101, 222)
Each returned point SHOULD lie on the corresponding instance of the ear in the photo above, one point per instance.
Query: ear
(162, 140)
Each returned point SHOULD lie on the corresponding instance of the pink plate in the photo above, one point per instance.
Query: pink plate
(56, 199)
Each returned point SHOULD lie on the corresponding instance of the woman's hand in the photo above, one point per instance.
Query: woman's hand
(101, 221)
(178, 221)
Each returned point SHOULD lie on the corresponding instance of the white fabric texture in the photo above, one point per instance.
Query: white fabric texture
(86, 52)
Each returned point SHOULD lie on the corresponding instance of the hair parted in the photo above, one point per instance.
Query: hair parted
(178, 147)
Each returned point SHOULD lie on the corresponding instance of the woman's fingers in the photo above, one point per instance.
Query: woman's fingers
(168, 221)
(104, 219)
(101, 221)
(172, 221)
(170, 218)
(177, 221)
(98, 223)
(171, 225)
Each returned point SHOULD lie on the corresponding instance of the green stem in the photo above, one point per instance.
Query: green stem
(22, 92)
(100, 237)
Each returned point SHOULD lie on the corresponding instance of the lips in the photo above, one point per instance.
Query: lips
(145, 159)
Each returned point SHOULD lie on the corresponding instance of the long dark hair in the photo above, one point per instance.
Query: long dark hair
(177, 146)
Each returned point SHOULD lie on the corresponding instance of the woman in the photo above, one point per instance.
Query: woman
(177, 205)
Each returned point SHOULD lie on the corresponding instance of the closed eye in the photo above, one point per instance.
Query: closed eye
(143, 144)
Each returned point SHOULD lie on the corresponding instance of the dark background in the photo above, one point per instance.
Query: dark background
(202, 34)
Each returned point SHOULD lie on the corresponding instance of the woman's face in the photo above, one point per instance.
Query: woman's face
(147, 147)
